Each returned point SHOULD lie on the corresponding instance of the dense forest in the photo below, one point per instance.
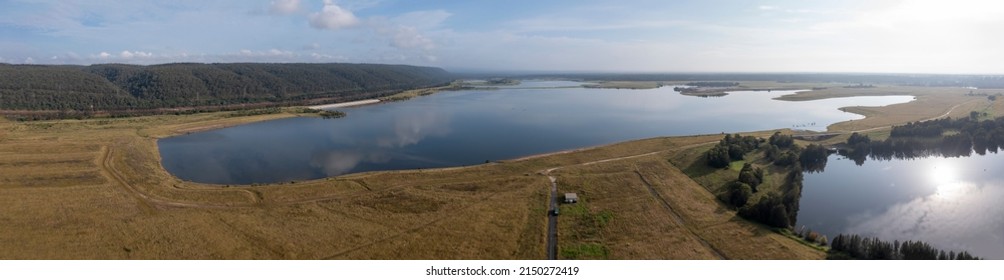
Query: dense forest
(37, 91)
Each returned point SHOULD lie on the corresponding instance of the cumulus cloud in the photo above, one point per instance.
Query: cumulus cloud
(104, 55)
(332, 17)
(284, 7)
(29, 60)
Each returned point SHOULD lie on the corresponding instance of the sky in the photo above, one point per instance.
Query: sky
(880, 36)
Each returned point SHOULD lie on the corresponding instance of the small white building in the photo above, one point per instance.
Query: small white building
(571, 198)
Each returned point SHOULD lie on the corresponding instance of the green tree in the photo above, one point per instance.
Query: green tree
(739, 193)
(751, 176)
(813, 158)
(718, 156)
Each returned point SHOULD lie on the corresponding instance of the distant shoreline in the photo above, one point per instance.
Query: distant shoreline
(345, 104)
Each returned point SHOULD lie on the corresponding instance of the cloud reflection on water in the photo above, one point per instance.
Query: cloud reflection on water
(405, 131)
(968, 217)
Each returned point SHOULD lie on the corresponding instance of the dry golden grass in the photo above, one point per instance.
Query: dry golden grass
(660, 213)
(931, 102)
(95, 189)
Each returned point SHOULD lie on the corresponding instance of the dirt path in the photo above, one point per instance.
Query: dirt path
(145, 201)
(552, 222)
(108, 171)
(679, 220)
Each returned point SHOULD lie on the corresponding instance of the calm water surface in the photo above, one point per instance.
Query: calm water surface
(469, 127)
(952, 203)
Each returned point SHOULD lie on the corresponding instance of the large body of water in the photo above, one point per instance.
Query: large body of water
(952, 203)
(458, 128)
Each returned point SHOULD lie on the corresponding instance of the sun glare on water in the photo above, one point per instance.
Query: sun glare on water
(945, 177)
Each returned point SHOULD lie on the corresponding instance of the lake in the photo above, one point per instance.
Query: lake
(457, 128)
(951, 203)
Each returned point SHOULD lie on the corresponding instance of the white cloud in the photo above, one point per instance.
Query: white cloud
(312, 46)
(284, 7)
(137, 54)
(406, 37)
(104, 55)
(276, 52)
(29, 60)
(271, 53)
(332, 17)
(423, 19)
(409, 31)
(767, 8)
(327, 57)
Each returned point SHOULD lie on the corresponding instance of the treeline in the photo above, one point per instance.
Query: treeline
(713, 84)
(778, 208)
(731, 148)
(944, 137)
(864, 248)
(119, 87)
(936, 80)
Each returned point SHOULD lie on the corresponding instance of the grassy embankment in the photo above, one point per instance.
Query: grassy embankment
(931, 103)
(81, 189)
(95, 189)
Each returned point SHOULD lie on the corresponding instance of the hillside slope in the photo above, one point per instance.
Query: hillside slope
(117, 87)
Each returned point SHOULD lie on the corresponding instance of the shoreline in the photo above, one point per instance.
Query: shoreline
(345, 104)
(428, 91)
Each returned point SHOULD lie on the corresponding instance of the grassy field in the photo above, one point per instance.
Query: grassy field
(644, 208)
(95, 189)
(931, 102)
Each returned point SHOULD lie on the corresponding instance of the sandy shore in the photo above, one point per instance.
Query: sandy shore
(344, 104)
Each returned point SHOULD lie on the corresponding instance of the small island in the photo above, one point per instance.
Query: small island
(707, 89)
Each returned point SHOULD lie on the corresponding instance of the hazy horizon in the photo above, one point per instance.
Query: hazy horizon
(894, 37)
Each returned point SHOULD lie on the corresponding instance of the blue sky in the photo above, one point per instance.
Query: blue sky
(960, 36)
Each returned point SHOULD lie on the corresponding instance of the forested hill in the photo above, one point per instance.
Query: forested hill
(117, 87)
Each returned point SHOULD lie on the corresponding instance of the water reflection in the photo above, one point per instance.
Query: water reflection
(960, 216)
(408, 130)
(471, 126)
(942, 173)
(337, 162)
(952, 203)
(405, 131)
